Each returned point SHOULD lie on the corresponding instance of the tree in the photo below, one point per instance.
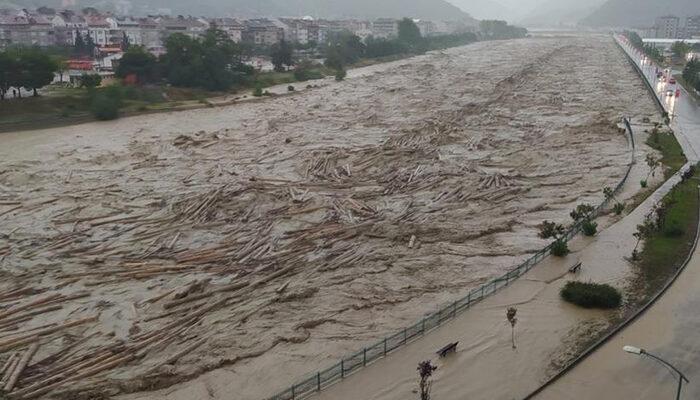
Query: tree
(511, 316)
(583, 213)
(425, 371)
(125, 41)
(681, 49)
(212, 63)
(61, 66)
(37, 69)
(90, 81)
(409, 32)
(9, 71)
(556, 231)
(139, 63)
(644, 232)
(90, 46)
(691, 72)
(282, 56)
(79, 45)
(344, 48)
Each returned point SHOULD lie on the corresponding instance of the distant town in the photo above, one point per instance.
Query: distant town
(48, 27)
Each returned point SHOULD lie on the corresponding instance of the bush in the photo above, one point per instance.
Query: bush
(258, 90)
(340, 75)
(591, 295)
(618, 208)
(589, 228)
(291, 88)
(104, 107)
(306, 70)
(643, 183)
(560, 248)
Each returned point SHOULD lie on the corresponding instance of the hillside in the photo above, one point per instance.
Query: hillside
(560, 13)
(425, 9)
(485, 9)
(638, 13)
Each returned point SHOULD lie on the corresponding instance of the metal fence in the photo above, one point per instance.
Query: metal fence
(349, 364)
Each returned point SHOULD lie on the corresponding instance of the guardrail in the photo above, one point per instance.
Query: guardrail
(645, 78)
(349, 364)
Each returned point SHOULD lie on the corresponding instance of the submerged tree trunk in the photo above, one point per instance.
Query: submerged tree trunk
(35, 93)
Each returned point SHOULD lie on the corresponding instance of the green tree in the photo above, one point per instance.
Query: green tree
(9, 72)
(37, 69)
(212, 63)
(125, 41)
(282, 56)
(681, 49)
(61, 65)
(139, 63)
(344, 48)
(409, 32)
(90, 81)
(79, 45)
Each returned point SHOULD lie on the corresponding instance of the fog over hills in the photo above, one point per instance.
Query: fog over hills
(639, 13)
(426, 9)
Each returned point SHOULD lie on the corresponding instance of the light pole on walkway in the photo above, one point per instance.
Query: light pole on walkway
(642, 352)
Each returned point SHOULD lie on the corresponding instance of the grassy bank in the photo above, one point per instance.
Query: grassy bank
(671, 152)
(668, 246)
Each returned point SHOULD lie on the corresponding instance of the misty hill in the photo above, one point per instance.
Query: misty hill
(639, 13)
(425, 9)
(554, 13)
(485, 9)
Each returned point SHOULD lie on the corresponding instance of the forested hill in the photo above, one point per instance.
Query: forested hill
(639, 13)
(425, 9)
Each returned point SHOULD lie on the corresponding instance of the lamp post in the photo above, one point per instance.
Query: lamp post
(642, 352)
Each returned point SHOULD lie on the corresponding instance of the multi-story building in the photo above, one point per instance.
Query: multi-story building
(66, 23)
(692, 27)
(385, 28)
(192, 27)
(26, 30)
(262, 32)
(232, 27)
(667, 27)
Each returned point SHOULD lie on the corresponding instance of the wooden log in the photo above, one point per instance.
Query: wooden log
(25, 338)
(173, 359)
(32, 304)
(10, 370)
(26, 358)
(17, 342)
(8, 364)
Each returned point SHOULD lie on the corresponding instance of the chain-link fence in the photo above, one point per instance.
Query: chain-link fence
(351, 363)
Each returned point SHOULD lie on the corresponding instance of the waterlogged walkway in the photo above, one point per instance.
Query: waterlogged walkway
(669, 329)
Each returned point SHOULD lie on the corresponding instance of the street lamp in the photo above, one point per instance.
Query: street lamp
(642, 352)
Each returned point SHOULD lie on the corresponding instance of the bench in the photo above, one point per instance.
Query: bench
(576, 268)
(450, 348)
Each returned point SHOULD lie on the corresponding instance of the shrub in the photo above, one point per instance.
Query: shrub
(105, 107)
(591, 295)
(589, 228)
(290, 88)
(560, 248)
(618, 208)
(258, 90)
(340, 75)
(643, 183)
